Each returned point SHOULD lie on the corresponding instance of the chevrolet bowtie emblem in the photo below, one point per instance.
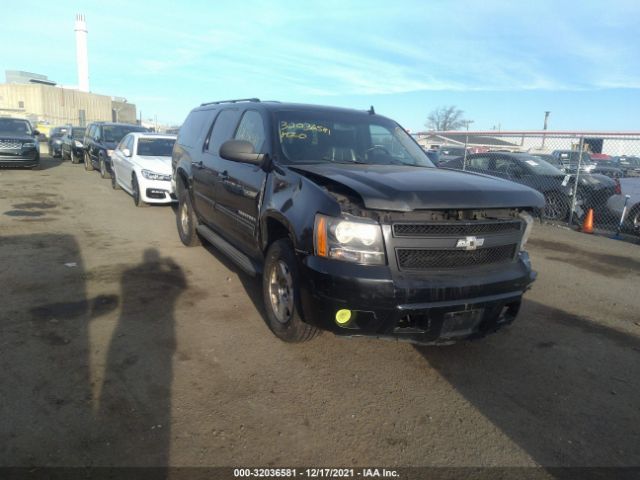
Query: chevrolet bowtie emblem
(470, 243)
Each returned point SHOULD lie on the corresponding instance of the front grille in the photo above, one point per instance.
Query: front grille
(421, 259)
(458, 228)
(10, 144)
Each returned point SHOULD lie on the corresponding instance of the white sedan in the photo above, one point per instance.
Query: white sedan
(141, 165)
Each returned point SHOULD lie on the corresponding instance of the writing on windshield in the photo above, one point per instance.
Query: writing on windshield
(346, 138)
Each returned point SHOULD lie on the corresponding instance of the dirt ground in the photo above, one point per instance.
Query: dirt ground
(119, 346)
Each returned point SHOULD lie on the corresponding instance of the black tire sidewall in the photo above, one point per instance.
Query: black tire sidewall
(88, 166)
(190, 237)
(564, 204)
(295, 330)
(137, 196)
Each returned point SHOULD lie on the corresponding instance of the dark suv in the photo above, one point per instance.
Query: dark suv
(19, 145)
(349, 223)
(55, 141)
(100, 139)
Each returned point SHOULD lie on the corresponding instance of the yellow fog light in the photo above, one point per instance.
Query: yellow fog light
(343, 316)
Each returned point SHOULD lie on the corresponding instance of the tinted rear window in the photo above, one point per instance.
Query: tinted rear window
(194, 127)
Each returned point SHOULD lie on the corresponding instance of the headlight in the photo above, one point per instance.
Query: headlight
(149, 175)
(29, 145)
(351, 240)
(528, 219)
(77, 143)
(109, 153)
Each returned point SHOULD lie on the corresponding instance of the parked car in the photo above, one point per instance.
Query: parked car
(141, 165)
(349, 223)
(532, 171)
(100, 139)
(448, 152)
(72, 147)
(55, 140)
(608, 168)
(568, 161)
(602, 167)
(630, 166)
(19, 146)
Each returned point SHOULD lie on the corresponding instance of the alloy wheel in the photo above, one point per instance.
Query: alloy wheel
(281, 291)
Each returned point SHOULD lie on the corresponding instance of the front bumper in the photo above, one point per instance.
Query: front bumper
(424, 309)
(29, 158)
(156, 191)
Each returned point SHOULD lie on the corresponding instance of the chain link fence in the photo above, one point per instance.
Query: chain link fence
(576, 173)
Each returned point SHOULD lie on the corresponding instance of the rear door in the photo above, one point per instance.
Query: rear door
(207, 167)
(239, 185)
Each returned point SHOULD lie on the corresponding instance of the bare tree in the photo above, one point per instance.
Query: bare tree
(446, 118)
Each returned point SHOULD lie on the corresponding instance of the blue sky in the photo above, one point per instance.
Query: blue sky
(503, 63)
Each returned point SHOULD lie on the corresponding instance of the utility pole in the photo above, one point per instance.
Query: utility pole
(544, 128)
(466, 142)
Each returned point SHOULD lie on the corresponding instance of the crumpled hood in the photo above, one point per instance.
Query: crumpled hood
(156, 164)
(400, 188)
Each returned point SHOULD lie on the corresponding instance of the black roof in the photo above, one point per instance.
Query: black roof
(273, 105)
(116, 123)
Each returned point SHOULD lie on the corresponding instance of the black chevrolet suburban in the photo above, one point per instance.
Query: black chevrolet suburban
(349, 223)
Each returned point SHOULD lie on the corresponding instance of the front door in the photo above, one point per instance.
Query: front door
(239, 185)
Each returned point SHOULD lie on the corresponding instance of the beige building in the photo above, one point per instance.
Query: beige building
(50, 105)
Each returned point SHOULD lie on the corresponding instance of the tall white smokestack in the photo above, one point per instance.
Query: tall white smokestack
(82, 57)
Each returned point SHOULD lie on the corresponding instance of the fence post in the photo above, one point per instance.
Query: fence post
(575, 185)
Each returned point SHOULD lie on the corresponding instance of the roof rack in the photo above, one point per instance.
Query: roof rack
(231, 101)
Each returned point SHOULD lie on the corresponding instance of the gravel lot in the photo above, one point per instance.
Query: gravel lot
(119, 346)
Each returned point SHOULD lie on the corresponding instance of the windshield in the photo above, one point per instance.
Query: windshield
(58, 132)
(115, 133)
(574, 156)
(538, 166)
(77, 133)
(161, 147)
(339, 137)
(15, 126)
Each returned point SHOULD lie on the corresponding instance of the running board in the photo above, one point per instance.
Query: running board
(239, 258)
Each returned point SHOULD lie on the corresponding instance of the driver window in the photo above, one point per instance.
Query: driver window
(251, 129)
(508, 166)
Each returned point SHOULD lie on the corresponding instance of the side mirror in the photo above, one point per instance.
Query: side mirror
(241, 151)
(36, 133)
(126, 152)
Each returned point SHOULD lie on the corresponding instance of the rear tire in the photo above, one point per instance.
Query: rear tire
(104, 173)
(186, 220)
(281, 293)
(88, 166)
(137, 199)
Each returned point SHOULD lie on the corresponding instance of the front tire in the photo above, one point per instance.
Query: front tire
(556, 207)
(74, 158)
(632, 221)
(88, 166)
(186, 220)
(114, 181)
(280, 289)
(137, 196)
